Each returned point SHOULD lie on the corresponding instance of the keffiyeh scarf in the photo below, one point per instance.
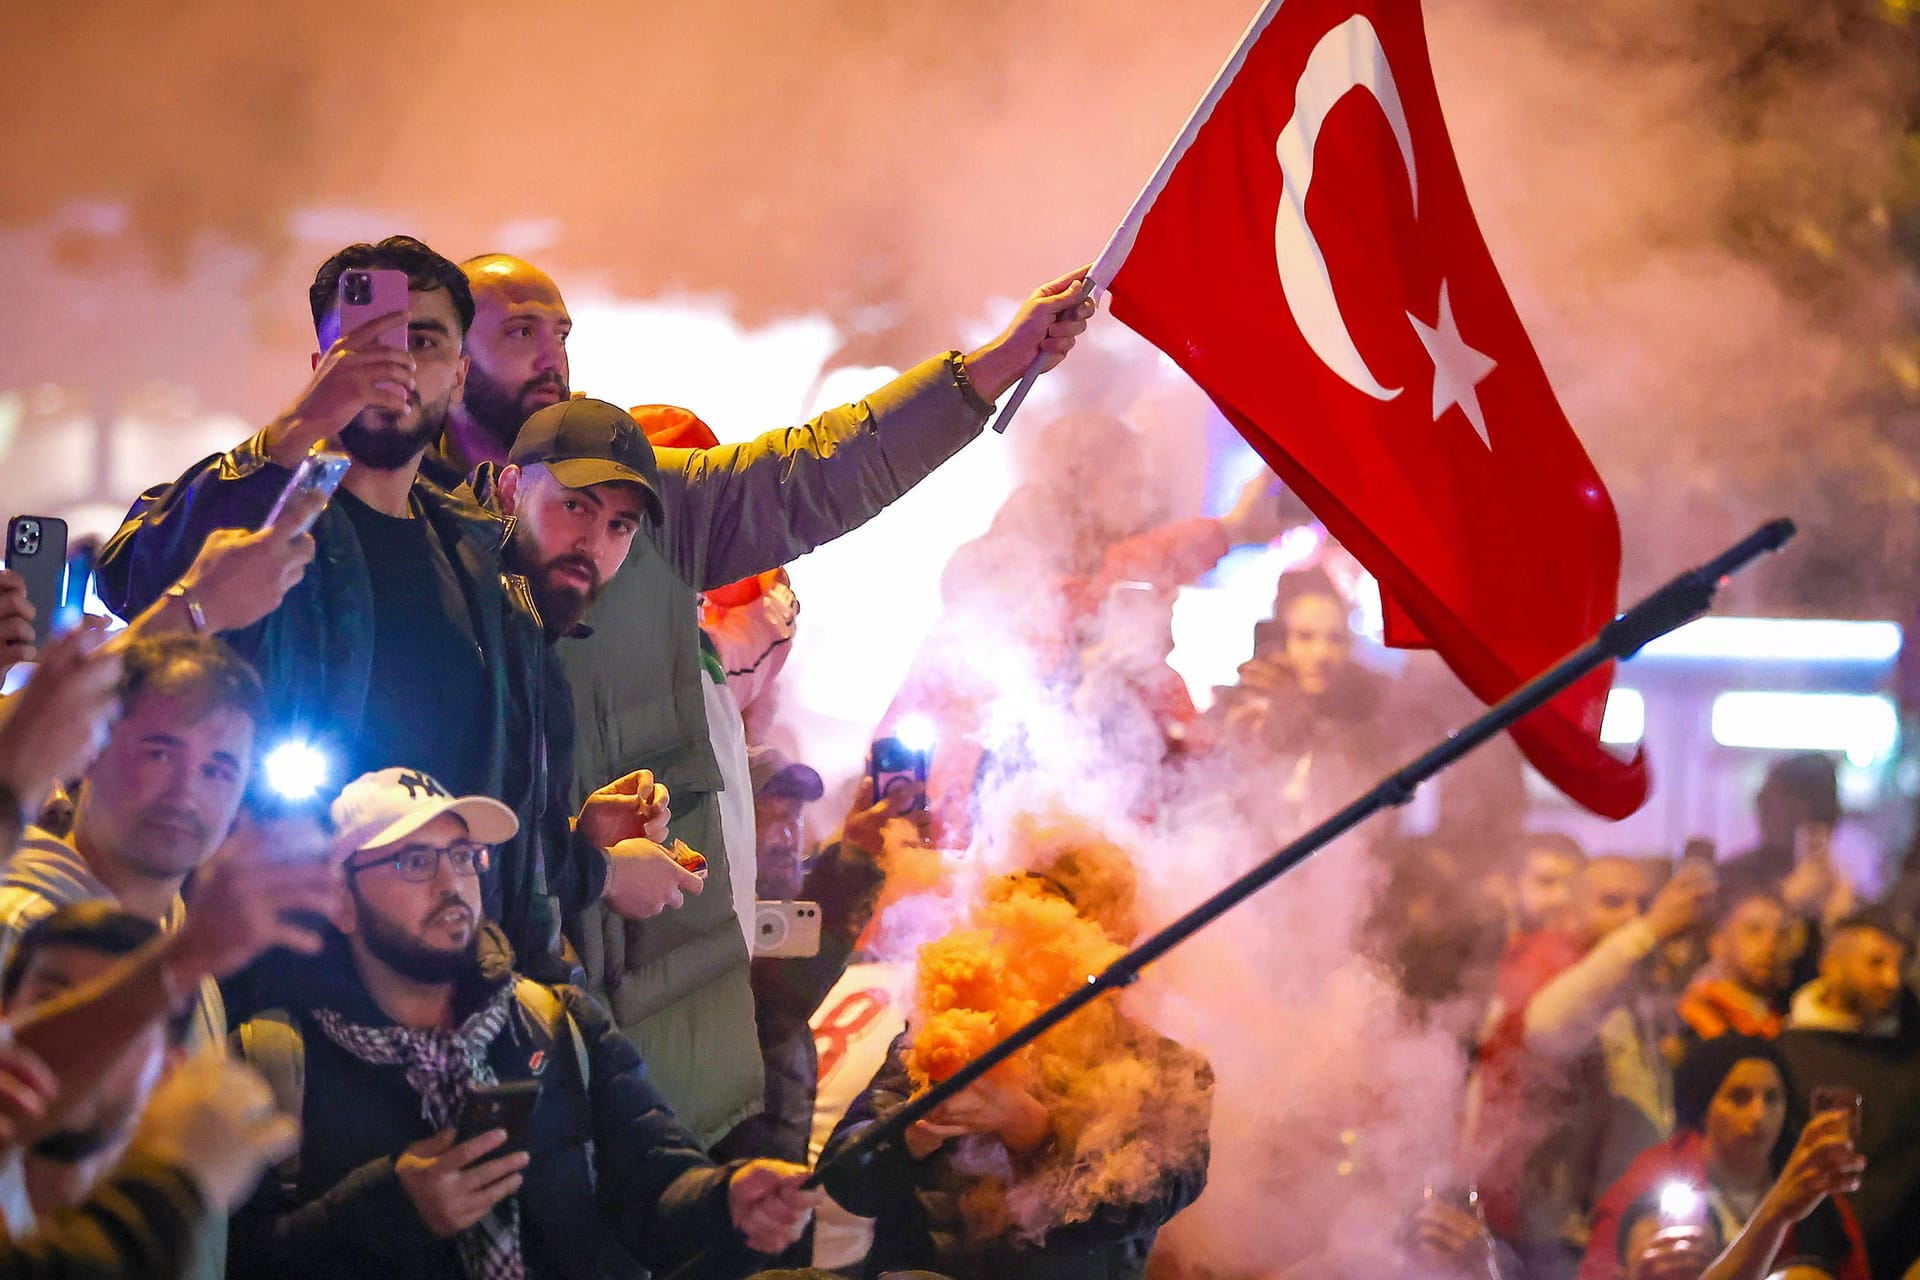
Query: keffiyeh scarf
(442, 1066)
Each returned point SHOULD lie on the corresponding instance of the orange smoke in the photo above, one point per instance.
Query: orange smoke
(1126, 1106)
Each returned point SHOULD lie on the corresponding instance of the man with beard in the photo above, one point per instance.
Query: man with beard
(680, 985)
(409, 1013)
(405, 643)
(155, 805)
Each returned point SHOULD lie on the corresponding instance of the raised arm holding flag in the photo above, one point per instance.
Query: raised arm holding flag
(1306, 252)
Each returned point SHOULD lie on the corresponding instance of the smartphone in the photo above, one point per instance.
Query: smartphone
(784, 929)
(1842, 1098)
(367, 293)
(321, 472)
(506, 1106)
(73, 599)
(37, 551)
(899, 774)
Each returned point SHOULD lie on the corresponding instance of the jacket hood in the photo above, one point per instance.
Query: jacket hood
(482, 489)
(462, 511)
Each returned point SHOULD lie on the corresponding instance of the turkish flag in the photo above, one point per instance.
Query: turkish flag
(1313, 263)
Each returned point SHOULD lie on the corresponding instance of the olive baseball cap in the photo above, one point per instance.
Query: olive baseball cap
(587, 442)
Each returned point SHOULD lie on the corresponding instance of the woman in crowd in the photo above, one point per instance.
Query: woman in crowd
(1731, 1147)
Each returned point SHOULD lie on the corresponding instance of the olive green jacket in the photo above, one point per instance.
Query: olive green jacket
(678, 983)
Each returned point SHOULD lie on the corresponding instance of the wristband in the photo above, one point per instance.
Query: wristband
(195, 614)
(957, 364)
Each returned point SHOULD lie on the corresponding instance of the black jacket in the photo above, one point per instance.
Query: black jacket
(614, 1181)
(916, 1207)
(315, 654)
(1886, 1071)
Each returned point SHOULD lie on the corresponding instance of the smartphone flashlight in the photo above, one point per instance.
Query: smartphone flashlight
(1679, 1202)
(296, 770)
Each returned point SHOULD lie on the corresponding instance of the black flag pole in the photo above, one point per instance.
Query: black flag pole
(1671, 606)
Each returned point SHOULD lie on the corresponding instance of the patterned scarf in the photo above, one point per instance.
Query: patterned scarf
(441, 1067)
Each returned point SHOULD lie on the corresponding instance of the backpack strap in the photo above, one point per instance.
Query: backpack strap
(271, 1044)
(544, 1005)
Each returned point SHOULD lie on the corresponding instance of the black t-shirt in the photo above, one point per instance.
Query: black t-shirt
(427, 699)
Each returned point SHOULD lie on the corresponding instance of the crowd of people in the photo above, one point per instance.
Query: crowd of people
(495, 1003)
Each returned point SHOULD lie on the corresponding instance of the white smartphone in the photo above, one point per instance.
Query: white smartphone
(369, 292)
(785, 929)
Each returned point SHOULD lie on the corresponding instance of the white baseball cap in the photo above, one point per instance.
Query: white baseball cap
(379, 808)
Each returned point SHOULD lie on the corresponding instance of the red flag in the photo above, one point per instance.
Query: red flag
(1313, 263)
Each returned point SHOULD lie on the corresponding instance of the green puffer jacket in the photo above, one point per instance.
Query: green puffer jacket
(678, 984)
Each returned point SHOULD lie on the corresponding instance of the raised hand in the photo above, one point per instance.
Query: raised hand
(1046, 325)
(357, 372)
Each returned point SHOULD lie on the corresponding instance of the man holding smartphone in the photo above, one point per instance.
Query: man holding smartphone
(405, 642)
(413, 1020)
(680, 985)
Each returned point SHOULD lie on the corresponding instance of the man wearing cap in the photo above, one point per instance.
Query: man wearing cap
(576, 488)
(405, 643)
(413, 1008)
(679, 984)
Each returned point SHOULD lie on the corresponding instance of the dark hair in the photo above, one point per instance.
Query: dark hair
(1808, 779)
(1733, 897)
(1878, 918)
(1555, 842)
(98, 926)
(95, 925)
(426, 272)
(1293, 587)
(200, 669)
(1706, 1067)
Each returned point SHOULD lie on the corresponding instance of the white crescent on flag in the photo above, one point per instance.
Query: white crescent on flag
(1348, 57)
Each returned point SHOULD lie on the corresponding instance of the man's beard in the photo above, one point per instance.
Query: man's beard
(409, 957)
(499, 409)
(562, 608)
(389, 447)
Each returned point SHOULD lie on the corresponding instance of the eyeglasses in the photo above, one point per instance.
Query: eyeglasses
(417, 863)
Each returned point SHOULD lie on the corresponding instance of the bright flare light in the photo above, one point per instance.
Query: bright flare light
(1679, 1202)
(916, 733)
(1865, 726)
(1780, 640)
(296, 770)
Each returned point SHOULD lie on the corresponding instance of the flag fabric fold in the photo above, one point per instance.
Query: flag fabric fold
(1313, 263)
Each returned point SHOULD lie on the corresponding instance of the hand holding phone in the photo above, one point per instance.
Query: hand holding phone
(899, 774)
(307, 491)
(37, 552)
(367, 367)
(240, 577)
(507, 1106)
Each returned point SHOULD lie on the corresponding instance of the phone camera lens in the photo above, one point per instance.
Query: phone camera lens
(357, 288)
(26, 538)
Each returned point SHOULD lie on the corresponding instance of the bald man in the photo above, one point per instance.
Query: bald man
(678, 985)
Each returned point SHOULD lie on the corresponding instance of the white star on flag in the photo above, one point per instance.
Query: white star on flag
(1457, 367)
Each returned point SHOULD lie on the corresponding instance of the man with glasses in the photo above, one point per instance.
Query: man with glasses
(413, 1011)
